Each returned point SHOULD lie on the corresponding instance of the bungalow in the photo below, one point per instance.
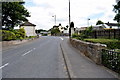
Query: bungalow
(29, 28)
(112, 25)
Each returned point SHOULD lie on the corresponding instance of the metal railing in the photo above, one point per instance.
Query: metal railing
(111, 60)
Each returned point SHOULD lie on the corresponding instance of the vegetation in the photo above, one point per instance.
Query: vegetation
(7, 35)
(13, 13)
(117, 11)
(71, 24)
(20, 33)
(99, 22)
(76, 36)
(111, 43)
(55, 31)
(40, 30)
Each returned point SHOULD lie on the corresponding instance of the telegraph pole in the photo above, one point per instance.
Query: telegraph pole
(69, 21)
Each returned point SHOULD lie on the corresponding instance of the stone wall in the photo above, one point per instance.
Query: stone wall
(14, 42)
(91, 50)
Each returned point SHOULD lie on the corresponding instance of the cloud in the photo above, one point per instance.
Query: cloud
(43, 10)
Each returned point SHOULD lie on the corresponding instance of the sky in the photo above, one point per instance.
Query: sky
(41, 12)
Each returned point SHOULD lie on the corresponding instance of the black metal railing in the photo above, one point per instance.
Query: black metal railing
(111, 60)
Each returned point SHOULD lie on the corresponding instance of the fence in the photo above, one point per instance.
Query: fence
(111, 60)
(111, 33)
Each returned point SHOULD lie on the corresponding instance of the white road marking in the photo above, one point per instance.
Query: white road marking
(27, 52)
(34, 48)
(4, 65)
(61, 38)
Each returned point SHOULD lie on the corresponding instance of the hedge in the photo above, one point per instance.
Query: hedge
(7, 35)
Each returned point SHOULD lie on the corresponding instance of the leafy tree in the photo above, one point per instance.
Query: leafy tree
(13, 13)
(99, 22)
(40, 30)
(71, 24)
(86, 33)
(55, 31)
(117, 11)
(67, 26)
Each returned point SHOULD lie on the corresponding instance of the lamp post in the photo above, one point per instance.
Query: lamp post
(55, 19)
(88, 21)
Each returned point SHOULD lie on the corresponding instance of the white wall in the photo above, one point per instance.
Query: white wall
(30, 30)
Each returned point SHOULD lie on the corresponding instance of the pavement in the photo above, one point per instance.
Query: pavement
(43, 58)
(83, 67)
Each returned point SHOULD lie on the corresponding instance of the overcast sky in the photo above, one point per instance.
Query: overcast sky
(42, 11)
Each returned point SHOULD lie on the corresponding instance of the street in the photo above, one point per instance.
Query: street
(49, 57)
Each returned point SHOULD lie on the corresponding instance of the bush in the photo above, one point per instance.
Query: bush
(111, 43)
(75, 35)
(32, 36)
(7, 35)
(20, 33)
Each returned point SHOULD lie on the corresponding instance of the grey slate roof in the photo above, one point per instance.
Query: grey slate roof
(27, 24)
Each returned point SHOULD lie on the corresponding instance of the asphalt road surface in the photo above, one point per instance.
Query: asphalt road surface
(48, 57)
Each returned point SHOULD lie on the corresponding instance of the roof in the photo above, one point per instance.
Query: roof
(55, 26)
(111, 24)
(27, 24)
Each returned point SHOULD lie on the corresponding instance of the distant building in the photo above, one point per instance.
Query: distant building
(29, 28)
(112, 25)
(82, 28)
(63, 30)
(99, 27)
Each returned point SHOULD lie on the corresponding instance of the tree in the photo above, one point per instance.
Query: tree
(72, 24)
(13, 13)
(99, 22)
(117, 11)
(55, 31)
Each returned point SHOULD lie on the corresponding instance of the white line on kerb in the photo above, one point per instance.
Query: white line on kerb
(4, 65)
(61, 38)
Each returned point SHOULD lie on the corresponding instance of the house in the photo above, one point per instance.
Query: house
(62, 29)
(112, 25)
(99, 27)
(29, 28)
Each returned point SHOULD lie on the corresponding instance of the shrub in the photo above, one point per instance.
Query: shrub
(111, 43)
(7, 35)
(75, 35)
(32, 36)
(20, 33)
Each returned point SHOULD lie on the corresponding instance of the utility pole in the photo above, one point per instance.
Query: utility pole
(69, 21)
(88, 21)
(55, 19)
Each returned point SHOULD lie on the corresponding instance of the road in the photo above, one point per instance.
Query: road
(49, 57)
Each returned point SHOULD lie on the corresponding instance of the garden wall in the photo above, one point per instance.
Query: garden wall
(14, 42)
(91, 50)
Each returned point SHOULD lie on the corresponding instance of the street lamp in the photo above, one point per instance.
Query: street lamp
(88, 21)
(55, 18)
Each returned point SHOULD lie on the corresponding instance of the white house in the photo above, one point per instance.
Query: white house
(29, 28)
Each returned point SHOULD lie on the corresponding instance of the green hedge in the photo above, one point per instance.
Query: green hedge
(7, 35)
(111, 43)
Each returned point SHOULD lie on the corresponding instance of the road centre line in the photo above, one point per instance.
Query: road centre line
(4, 65)
(61, 38)
(28, 52)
